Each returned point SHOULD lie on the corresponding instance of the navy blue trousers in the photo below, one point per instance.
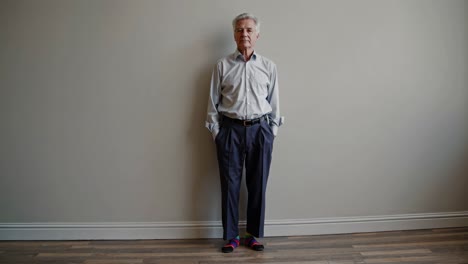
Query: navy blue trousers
(237, 146)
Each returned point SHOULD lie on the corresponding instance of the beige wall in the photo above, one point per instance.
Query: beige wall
(102, 107)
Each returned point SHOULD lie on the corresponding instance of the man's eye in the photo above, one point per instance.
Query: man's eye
(240, 30)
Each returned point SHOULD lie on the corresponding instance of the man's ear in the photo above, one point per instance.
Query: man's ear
(258, 35)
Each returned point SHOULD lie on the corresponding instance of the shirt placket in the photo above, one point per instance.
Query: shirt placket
(246, 89)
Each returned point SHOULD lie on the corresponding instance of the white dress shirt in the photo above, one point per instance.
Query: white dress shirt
(243, 90)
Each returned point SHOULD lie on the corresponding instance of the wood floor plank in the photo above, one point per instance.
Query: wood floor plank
(430, 246)
(171, 261)
(416, 259)
(63, 255)
(113, 261)
(415, 244)
(168, 246)
(396, 252)
(445, 230)
(41, 243)
(371, 239)
(163, 254)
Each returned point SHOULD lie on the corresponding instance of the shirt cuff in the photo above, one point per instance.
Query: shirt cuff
(274, 129)
(215, 132)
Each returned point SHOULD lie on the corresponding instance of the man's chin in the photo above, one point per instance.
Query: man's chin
(244, 47)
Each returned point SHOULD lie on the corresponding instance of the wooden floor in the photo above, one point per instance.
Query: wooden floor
(418, 246)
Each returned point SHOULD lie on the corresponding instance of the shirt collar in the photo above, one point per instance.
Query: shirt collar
(237, 54)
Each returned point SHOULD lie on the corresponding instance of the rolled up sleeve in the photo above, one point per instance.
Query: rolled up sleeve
(212, 117)
(276, 120)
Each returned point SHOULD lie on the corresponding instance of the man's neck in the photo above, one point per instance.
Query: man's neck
(247, 53)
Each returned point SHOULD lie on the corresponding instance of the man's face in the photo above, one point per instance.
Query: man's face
(245, 34)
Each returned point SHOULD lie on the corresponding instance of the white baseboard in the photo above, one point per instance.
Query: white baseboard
(213, 229)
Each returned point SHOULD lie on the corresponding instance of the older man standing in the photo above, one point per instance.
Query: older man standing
(243, 117)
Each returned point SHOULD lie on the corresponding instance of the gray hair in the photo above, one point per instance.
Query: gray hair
(247, 16)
